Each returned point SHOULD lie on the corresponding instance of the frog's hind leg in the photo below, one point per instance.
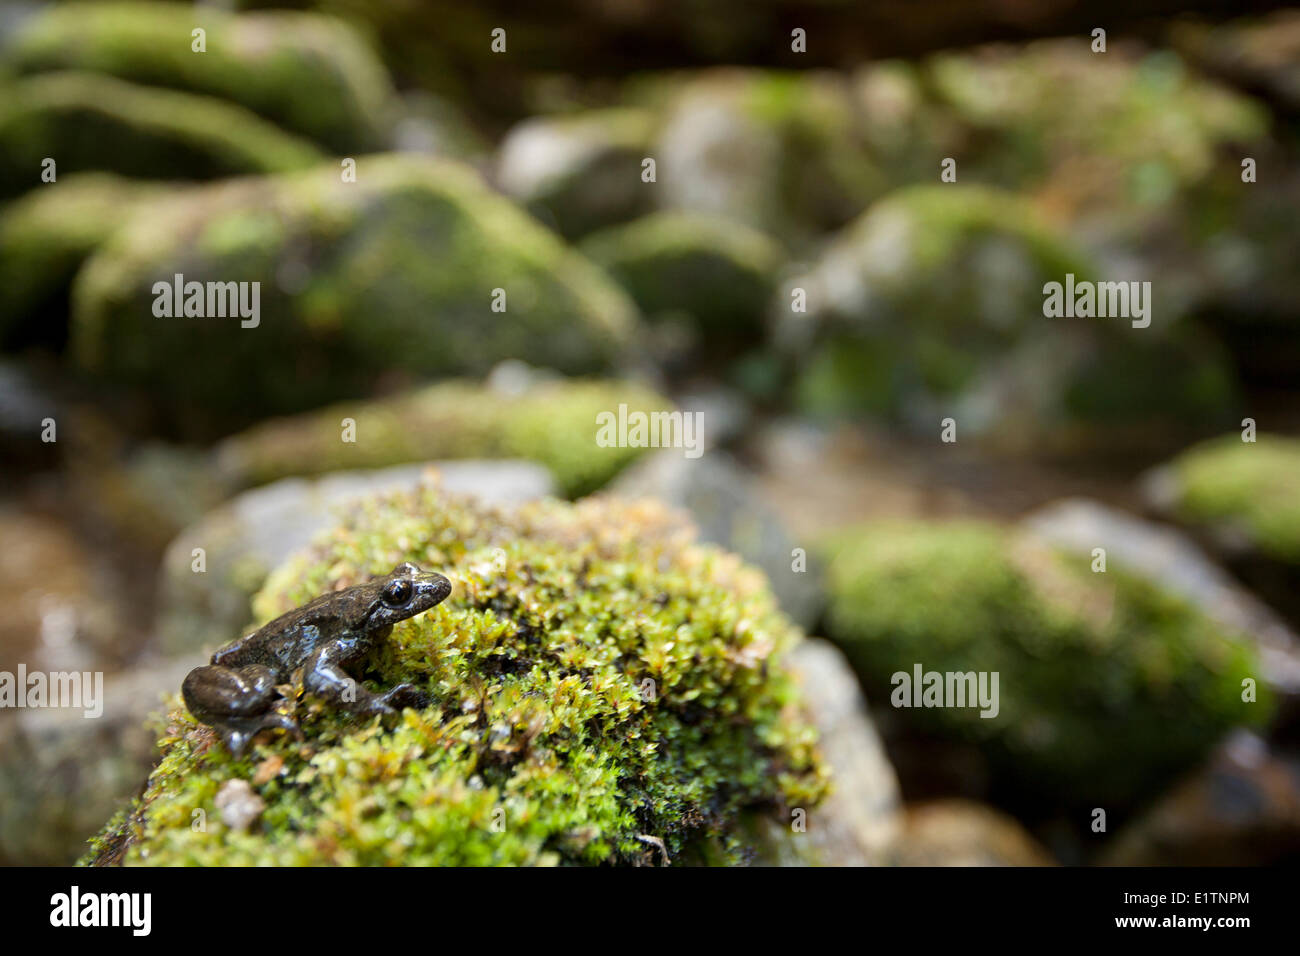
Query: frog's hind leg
(236, 702)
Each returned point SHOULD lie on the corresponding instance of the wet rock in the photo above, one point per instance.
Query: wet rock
(87, 121)
(392, 275)
(726, 506)
(962, 833)
(62, 774)
(1239, 498)
(579, 173)
(858, 823)
(931, 305)
(44, 238)
(782, 152)
(1108, 685)
(1172, 561)
(308, 73)
(518, 412)
(245, 538)
(713, 275)
(1241, 809)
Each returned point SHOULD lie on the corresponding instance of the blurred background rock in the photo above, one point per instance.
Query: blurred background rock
(776, 171)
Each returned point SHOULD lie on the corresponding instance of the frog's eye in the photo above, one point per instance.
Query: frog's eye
(397, 593)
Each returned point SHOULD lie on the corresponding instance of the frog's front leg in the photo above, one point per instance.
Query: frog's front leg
(324, 676)
(237, 702)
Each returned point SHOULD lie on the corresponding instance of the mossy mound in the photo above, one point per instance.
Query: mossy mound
(394, 272)
(716, 274)
(1249, 490)
(552, 422)
(308, 73)
(931, 304)
(88, 121)
(783, 151)
(546, 743)
(1107, 685)
(44, 238)
(579, 172)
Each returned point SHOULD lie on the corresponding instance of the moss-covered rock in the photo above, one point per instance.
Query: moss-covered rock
(931, 305)
(552, 422)
(308, 73)
(1107, 685)
(394, 272)
(579, 172)
(546, 744)
(88, 121)
(1244, 499)
(44, 238)
(712, 273)
(781, 151)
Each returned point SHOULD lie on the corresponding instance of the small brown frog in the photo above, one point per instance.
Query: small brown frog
(236, 694)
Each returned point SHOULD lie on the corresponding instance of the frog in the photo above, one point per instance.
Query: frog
(238, 692)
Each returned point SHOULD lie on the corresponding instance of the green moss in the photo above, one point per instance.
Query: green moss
(393, 272)
(716, 272)
(553, 423)
(1250, 487)
(307, 73)
(1107, 685)
(87, 121)
(541, 747)
(44, 238)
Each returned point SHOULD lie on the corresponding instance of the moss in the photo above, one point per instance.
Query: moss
(393, 272)
(553, 423)
(931, 304)
(1107, 685)
(86, 121)
(718, 273)
(308, 73)
(1250, 487)
(44, 238)
(541, 747)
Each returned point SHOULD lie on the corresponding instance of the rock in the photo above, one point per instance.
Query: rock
(1108, 685)
(62, 774)
(607, 691)
(726, 506)
(962, 833)
(1239, 498)
(579, 173)
(1241, 809)
(86, 121)
(859, 821)
(308, 73)
(712, 274)
(782, 152)
(44, 238)
(383, 275)
(257, 530)
(517, 413)
(931, 305)
(239, 805)
(1173, 562)
(61, 610)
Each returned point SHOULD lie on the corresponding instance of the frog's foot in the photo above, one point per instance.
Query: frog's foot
(238, 734)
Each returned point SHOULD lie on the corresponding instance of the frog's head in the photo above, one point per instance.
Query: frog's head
(405, 592)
